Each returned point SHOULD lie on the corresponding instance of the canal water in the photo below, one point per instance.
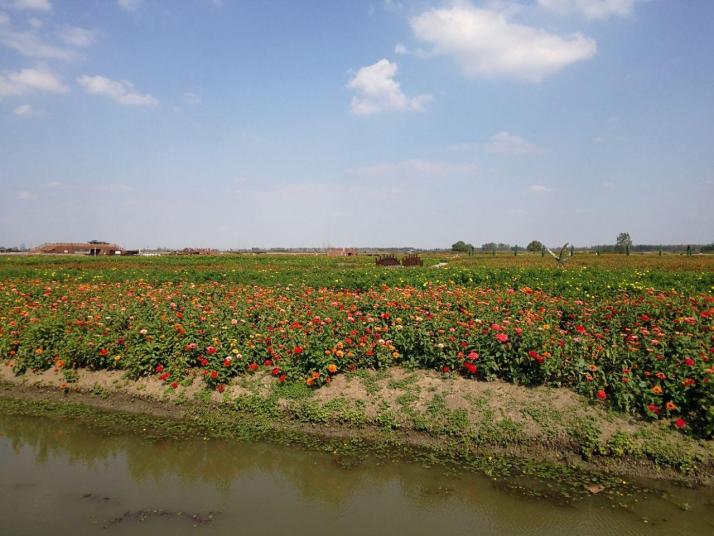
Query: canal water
(58, 478)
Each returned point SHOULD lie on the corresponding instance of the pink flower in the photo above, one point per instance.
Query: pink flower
(501, 337)
(473, 356)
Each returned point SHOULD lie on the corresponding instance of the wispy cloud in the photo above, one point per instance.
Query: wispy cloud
(538, 188)
(376, 90)
(591, 9)
(486, 43)
(28, 80)
(76, 36)
(25, 109)
(510, 144)
(27, 5)
(26, 195)
(129, 5)
(415, 169)
(120, 91)
(191, 98)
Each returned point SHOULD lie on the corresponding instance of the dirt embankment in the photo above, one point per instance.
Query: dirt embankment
(418, 408)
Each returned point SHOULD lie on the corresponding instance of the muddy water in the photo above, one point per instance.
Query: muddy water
(57, 478)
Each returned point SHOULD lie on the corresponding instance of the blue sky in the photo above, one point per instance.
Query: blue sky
(240, 123)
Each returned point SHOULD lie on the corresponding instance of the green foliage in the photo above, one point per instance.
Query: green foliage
(638, 341)
(462, 247)
(534, 246)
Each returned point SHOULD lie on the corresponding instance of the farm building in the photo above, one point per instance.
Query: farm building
(341, 252)
(94, 248)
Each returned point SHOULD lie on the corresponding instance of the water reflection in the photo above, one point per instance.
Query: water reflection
(57, 470)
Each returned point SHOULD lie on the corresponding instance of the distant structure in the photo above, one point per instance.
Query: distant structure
(341, 252)
(94, 248)
(197, 251)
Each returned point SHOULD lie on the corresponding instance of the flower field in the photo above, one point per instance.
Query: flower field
(644, 350)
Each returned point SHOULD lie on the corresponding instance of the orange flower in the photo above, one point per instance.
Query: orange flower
(670, 406)
(657, 390)
(309, 381)
(332, 368)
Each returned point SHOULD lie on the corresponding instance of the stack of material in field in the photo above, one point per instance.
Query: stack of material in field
(412, 259)
(387, 260)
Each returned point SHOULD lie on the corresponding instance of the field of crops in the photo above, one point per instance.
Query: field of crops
(635, 333)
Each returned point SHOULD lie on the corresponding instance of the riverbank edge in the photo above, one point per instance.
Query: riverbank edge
(529, 468)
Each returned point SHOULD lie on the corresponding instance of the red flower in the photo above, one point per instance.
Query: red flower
(275, 371)
(580, 329)
(473, 356)
(220, 387)
(445, 370)
(470, 367)
(103, 352)
(267, 363)
(282, 378)
(501, 337)
(297, 350)
(164, 376)
(602, 395)
(214, 374)
(654, 408)
(689, 362)
(211, 350)
(680, 423)
(174, 385)
(159, 368)
(253, 367)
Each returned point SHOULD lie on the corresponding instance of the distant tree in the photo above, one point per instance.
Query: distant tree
(534, 246)
(462, 247)
(623, 242)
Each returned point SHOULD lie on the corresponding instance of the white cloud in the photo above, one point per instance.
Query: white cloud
(27, 80)
(510, 144)
(29, 43)
(592, 9)
(538, 188)
(377, 91)
(129, 5)
(399, 48)
(56, 185)
(25, 195)
(485, 43)
(24, 109)
(121, 91)
(414, 169)
(77, 37)
(28, 5)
